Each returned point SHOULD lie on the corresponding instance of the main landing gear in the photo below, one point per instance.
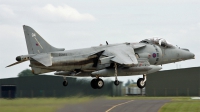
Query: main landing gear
(141, 82)
(97, 83)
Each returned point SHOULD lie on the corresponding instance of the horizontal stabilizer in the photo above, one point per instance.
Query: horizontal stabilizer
(43, 58)
(16, 63)
(40, 70)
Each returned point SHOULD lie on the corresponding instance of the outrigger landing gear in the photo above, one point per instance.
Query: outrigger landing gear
(97, 83)
(65, 83)
(141, 82)
(116, 80)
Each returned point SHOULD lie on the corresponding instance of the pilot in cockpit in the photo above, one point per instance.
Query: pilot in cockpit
(159, 41)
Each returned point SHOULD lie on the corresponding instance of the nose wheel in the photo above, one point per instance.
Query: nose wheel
(141, 82)
(97, 83)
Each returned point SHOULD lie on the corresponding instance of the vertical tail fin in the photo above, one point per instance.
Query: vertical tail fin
(36, 44)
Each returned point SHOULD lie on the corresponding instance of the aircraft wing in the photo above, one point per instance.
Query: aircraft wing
(96, 53)
(124, 54)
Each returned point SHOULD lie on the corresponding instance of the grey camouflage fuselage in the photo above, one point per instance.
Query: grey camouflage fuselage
(132, 58)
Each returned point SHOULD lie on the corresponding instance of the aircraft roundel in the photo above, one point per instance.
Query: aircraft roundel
(154, 55)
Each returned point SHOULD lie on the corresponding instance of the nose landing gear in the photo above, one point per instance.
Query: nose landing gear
(141, 82)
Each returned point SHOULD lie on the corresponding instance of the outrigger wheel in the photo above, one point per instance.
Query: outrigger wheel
(65, 83)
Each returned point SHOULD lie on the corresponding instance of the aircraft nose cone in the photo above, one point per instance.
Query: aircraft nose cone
(191, 55)
(186, 54)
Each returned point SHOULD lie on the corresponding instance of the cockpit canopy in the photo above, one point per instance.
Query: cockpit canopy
(159, 41)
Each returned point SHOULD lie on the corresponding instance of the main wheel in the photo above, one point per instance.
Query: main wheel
(65, 83)
(116, 82)
(140, 83)
(93, 83)
(99, 83)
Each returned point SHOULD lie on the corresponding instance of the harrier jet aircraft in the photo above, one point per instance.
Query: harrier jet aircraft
(121, 59)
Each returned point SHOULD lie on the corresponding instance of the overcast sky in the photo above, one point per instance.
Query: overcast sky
(84, 23)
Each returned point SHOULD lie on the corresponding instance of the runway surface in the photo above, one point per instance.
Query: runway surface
(106, 105)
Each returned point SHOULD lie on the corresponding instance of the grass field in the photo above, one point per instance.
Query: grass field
(177, 104)
(181, 105)
(38, 104)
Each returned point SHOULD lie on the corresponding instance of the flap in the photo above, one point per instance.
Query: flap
(43, 58)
